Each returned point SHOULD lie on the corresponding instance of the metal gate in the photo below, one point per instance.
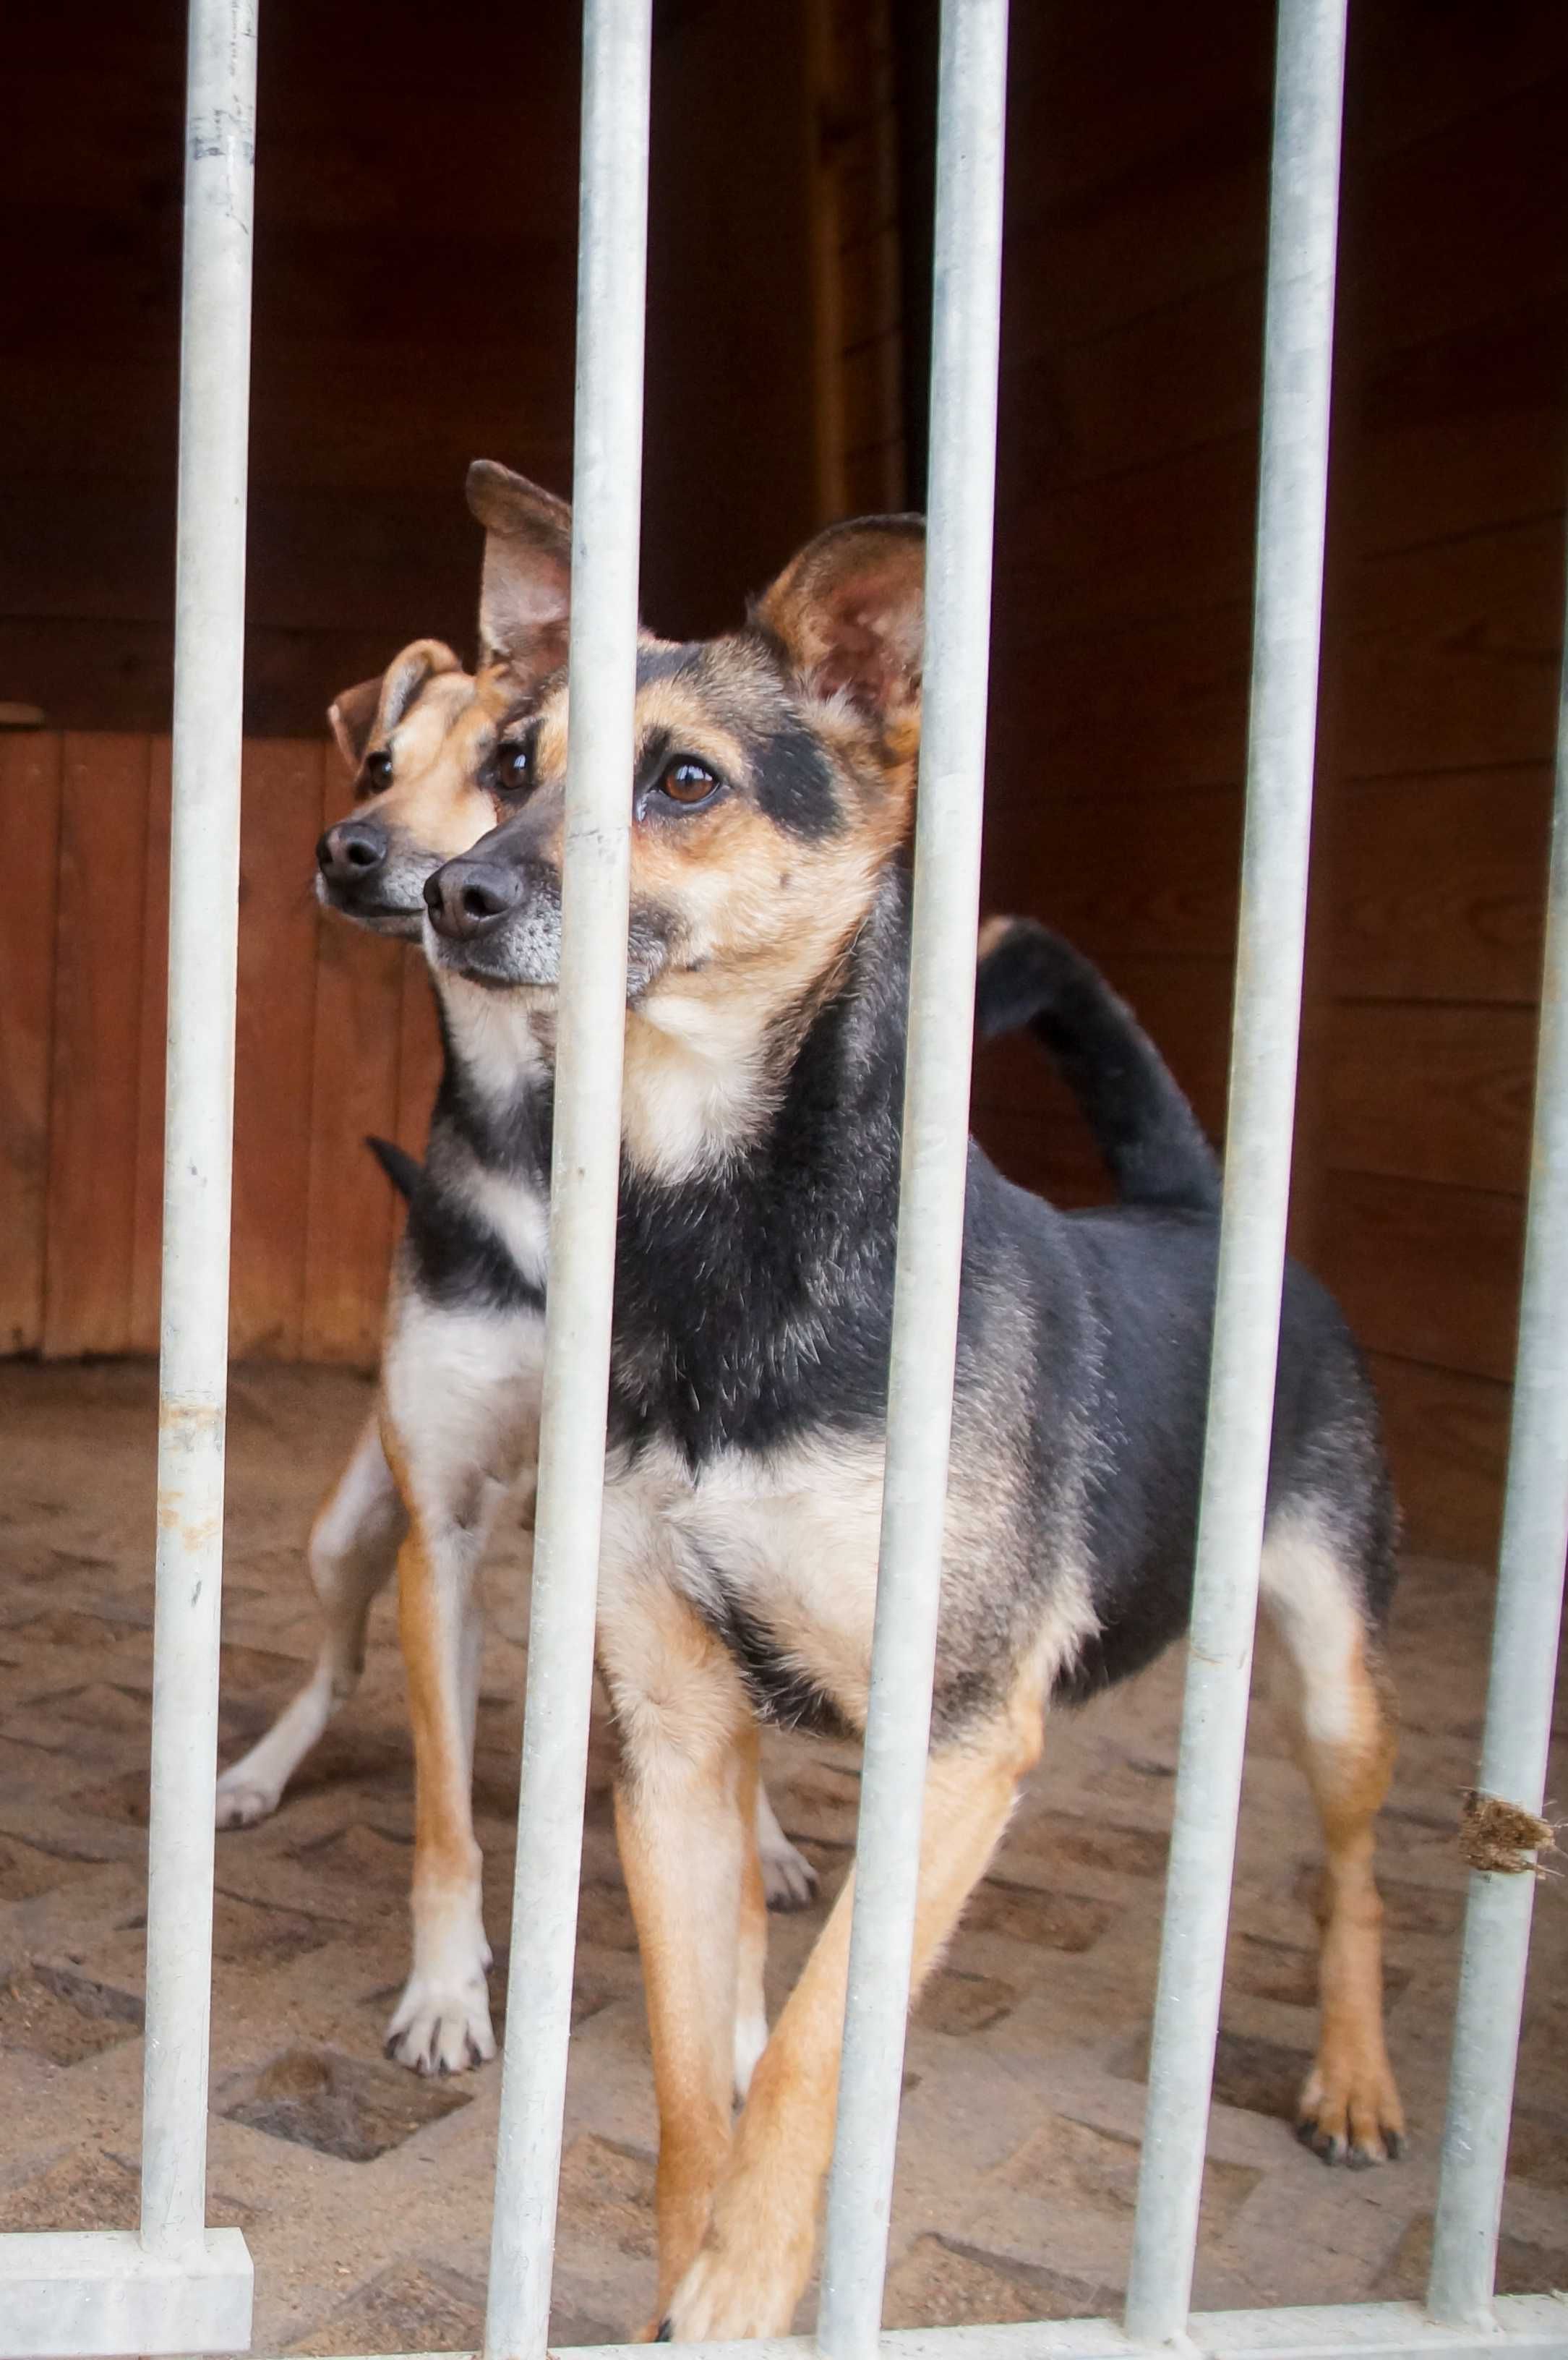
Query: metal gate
(177, 2286)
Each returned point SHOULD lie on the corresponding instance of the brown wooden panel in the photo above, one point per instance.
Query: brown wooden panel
(1453, 654)
(146, 1250)
(875, 479)
(1455, 229)
(281, 811)
(1418, 71)
(30, 860)
(1109, 102)
(1440, 885)
(1460, 433)
(1152, 707)
(1434, 1093)
(868, 280)
(1134, 876)
(1185, 374)
(354, 1091)
(1424, 1272)
(870, 392)
(1447, 1441)
(1196, 216)
(97, 1045)
(1148, 543)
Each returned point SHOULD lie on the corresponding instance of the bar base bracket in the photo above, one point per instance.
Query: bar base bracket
(1533, 2324)
(71, 2294)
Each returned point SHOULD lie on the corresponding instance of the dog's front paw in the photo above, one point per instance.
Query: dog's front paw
(242, 1802)
(442, 2024)
(722, 2297)
(1350, 2112)
(788, 1877)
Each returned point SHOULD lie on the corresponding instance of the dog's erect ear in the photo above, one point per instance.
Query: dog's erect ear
(851, 611)
(372, 708)
(525, 595)
(352, 718)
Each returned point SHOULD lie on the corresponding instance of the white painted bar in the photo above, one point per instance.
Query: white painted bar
(1519, 1693)
(1298, 355)
(1536, 2324)
(971, 122)
(69, 2293)
(585, 1179)
(208, 655)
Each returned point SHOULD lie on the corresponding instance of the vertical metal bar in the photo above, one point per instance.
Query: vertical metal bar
(966, 316)
(606, 503)
(209, 654)
(1297, 350)
(1524, 1659)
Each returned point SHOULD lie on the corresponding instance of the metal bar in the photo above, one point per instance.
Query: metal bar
(1533, 2323)
(606, 501)
(972, 107)
(1298, 350)
(1524, 1659)
(209, 656)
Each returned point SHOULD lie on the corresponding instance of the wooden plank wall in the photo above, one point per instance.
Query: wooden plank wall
(335, 1038)
(1448, 519)
(860, 346)
(1138, 153)
(414, 308)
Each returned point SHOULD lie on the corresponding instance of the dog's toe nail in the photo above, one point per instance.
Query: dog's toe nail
(1307, 2131)
(1361, 2158)
(666, 2332)
(1394, 2145)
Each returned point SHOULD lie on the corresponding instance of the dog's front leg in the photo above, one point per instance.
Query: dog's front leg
(460, 1396)
(757, 2256)
(685, 1805)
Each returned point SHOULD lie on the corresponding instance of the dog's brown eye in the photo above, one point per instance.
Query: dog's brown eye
(687, 782)
(378, 768)
(514, 768)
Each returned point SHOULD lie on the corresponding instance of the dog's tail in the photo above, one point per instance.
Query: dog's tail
(1142, 1124)
(401, 1168)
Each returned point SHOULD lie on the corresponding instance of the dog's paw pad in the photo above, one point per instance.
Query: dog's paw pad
(441, 2028)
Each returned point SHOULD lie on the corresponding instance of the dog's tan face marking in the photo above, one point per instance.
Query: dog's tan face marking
(773, 784)
(418, 742)
(429, 787)
(763, 818)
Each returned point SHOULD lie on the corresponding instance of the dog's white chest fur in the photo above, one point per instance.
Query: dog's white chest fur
(786, 1539)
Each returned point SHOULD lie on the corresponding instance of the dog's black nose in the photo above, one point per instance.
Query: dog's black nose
(469, 897)
(347, 853)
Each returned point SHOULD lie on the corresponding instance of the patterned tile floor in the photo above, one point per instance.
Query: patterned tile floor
(364, 2193)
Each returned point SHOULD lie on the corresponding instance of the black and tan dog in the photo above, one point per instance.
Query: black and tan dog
(414, 742)
(771, 807)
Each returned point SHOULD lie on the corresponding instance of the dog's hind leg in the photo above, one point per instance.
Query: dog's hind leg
(757, 2256)
(352, 1550)
(1345, 1735)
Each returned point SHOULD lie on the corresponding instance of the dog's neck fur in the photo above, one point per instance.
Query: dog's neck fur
(758, 1287)
(759, 1183)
